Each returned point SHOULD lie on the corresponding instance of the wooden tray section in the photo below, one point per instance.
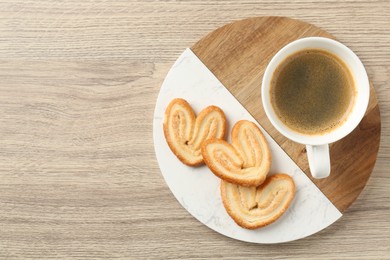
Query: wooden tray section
(238, 54)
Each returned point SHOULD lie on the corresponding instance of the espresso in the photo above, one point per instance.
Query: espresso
(312, 91)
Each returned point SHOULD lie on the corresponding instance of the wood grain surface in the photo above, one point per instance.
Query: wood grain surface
(78, 174)
(238, 54)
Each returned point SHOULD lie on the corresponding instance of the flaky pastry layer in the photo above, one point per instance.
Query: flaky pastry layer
(245, 162)
(185, 133)
(255, 207)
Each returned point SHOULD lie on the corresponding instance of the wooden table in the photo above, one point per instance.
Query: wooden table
(78, 174)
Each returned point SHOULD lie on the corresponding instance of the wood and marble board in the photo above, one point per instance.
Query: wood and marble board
(225, 69)
(238, 53)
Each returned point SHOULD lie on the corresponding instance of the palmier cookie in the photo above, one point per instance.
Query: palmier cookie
(185, 132)
(245, 162)
(255, 207)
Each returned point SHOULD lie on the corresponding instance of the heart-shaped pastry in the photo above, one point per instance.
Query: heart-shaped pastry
(254, 207)
(185, 132)
(245, 162)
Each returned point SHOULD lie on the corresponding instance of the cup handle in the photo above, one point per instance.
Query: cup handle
(319, 160)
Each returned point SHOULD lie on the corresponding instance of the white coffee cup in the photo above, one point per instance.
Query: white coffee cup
(317, 145)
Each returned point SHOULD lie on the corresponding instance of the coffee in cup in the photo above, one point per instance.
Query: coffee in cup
(315, 91)
(312, 91)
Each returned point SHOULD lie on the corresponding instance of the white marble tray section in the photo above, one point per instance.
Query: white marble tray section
(197, 189)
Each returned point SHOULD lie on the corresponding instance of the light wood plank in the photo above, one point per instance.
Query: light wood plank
(78, 174)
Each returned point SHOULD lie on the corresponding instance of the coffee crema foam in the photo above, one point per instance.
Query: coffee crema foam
(312, 91)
